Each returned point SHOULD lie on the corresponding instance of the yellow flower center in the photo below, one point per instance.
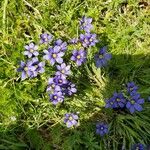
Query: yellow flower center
(111, 103)
(100, 56)
(78, 57)
(26, 68)
(118, 99)
(102, 128)
(85, 40)
(54, 55)
(31, 50)
(70, 118)
(91, 40)
(36, 66)
(60, 81)
(55, 97)
(132, 102)
(52, 85)
(63, 71)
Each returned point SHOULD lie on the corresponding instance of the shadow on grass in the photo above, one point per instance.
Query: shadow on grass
(121, 69)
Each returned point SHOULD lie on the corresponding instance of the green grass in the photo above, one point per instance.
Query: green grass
(124, 28)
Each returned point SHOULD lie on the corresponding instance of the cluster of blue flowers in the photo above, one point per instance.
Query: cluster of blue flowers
(132, 100)
(60, 86)
(32, 67)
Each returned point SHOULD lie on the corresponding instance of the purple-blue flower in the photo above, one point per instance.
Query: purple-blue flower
(102, 57)
(25, 68)
(85, 24)
(37, 67)
(56, 97)
(138, 146)
(45, 38)
(31, 50)
(116, 101)
(62, 45)
(132, 88)
(71, 120)
(110, 103)
(63, 69)
(88, 39)
(101, 129)
(68, 89)
(52, 85)
(60, 80)
(79, 56)
(53, 55)
(134, 104)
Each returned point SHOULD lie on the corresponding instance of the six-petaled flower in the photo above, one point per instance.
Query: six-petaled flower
(116, 101)
(88, 39)
(56, 97)
(60, 80)
(52, 85)
(63, 69)
(62, 45)
(132, 88)
(85, 24)
(45, 38)
(71, 120)
(69, 88)
(79, 56)
(37, 67)
(54, 55)
(102, 57)
(25, 68)
(101, 129)
(31, 50)
(134, 104)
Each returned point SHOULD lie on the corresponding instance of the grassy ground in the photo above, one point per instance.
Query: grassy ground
(28, 120)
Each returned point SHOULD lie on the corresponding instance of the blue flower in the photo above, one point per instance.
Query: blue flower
(56, 97)
(79, 56)
(31, 50)
(88, 39)
(85, 24)
(110, 103)
(37, 67)
(102, 57)
(138, 146)
(101, 129)
(62, 45)
(45, 38)
(134, 104)
(25, 68)
(54, 55)
(52, 86)
(68, 89)
(132, 88)
(71, 120)
(117, 101)
(60, 80)
(63, 69)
